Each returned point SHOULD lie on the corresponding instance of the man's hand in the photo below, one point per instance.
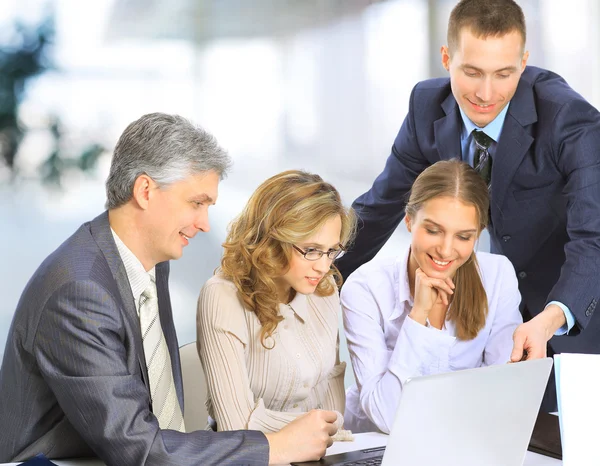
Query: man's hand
(304, 439)
(532, 337)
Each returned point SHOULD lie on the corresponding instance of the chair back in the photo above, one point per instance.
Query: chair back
(194, 388)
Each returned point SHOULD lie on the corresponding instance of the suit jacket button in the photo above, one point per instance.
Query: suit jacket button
(506, 238)
(522, 274)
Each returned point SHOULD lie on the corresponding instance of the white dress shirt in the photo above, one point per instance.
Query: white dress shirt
(138, 278)
(387, 347)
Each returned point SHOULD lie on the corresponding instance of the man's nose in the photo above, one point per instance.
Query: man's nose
(485, 90)
(201, 222)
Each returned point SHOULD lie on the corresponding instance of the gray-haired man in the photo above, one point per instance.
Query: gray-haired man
(91, 365)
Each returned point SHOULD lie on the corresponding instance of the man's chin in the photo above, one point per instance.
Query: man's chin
(174, 255)
(481, 122)
(478, 119)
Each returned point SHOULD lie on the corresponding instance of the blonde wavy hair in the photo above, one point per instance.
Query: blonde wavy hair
(285, 209)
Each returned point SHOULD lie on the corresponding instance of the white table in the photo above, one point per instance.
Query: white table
(374, 439)
(367, 440)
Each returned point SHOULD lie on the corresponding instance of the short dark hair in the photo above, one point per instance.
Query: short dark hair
(485, 18)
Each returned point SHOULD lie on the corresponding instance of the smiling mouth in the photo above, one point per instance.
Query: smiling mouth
(481, 106)
(442, 263)
(185, 236)
(439, 263)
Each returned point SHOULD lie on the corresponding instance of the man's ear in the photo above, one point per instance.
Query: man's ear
(141, 190)
(445, 57)
(407, 221)
(524, 60)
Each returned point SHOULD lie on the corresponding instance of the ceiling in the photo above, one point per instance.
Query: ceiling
(205, 20)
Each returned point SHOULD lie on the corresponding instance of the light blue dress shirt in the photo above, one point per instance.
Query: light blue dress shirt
(467, 144)
(493, 130)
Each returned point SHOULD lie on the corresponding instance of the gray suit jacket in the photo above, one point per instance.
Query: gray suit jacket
(73, 380)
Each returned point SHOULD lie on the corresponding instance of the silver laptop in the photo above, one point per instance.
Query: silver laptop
(473, 417)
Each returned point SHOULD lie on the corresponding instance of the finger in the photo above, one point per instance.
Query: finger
(425, 280)
(419, 274)
(536, 352)
(441, 285)
(329, 442)
(443, 296)
(328, 416)
(331, 429)
(518, 343)
(445, 283)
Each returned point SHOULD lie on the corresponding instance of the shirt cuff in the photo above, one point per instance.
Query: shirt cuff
(568, 316)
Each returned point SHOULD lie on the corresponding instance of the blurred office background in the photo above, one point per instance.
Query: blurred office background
(321, 85)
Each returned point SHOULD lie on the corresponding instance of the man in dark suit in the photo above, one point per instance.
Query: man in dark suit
(542, 142)
(91, 365)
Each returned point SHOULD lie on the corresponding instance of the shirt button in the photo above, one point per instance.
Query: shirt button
(305, 385)
(506, 238)
(298, 355)
(295, 405)
(522, 274)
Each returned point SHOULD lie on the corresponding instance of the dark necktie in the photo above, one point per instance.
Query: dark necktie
(483, 161)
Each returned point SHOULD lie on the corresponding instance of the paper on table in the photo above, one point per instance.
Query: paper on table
(577, 387)
(558, 397)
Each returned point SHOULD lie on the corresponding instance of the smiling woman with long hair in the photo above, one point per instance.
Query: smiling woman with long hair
(438, 307)
(268, 320)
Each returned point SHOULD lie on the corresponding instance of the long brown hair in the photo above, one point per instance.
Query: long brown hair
(284, 210)
(453, 178)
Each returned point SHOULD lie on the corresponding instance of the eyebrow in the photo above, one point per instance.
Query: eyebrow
(506, 68)
(320, 246)
(203, 198)
(474, 230)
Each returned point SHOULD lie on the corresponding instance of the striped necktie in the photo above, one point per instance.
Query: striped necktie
(482, 162)
(165, 404)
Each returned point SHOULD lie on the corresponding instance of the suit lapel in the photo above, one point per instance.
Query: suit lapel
(168, 327)
(514, 143)
(446, 130)
(100, 230)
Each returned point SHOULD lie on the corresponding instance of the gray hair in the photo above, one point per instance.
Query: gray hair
(167, 148)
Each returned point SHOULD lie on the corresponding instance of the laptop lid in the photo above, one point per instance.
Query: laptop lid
(469, 417)
(473, 417)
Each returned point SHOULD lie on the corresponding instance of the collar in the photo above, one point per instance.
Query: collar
(402, 286)
(299, 305)
(138, 278)
(493, 129)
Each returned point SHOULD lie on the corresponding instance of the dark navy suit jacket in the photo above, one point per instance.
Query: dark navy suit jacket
(545, 197)
(73, 380)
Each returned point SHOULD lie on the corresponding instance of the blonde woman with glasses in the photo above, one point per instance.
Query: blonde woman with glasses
(268, 320)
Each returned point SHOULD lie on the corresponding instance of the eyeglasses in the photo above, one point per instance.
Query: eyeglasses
(312, 254)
